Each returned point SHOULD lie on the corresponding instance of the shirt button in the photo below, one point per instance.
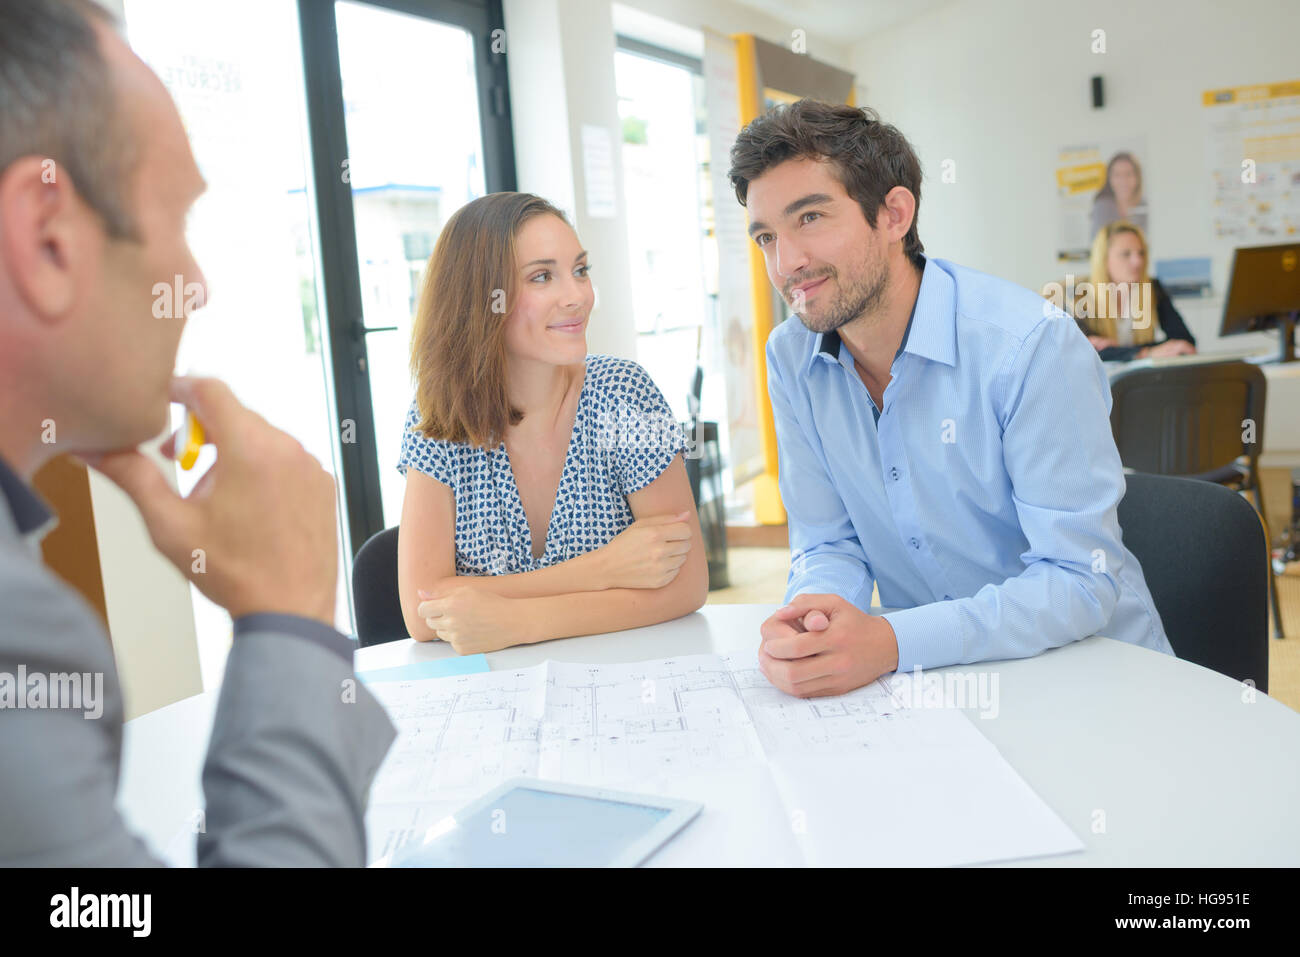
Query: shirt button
(915, 542)
(893, 473)
(947, 597)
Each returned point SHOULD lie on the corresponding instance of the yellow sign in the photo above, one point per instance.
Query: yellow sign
(1081, 179)
(1246, 94)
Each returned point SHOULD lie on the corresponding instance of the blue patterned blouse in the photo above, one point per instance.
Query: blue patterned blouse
(624, 436)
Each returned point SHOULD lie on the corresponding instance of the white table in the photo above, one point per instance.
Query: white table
(1184, 771)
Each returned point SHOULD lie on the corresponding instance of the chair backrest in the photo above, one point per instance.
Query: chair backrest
(1201, 548)
(697, 390)
(374, 590)
(1188, 420)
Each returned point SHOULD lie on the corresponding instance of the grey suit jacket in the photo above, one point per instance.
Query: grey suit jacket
(295, 742)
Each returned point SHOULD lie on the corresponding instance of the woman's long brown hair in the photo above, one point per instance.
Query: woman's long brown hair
(458, 346)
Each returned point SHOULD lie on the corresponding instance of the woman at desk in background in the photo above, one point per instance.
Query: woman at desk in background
(1126, 305)
(546, 492)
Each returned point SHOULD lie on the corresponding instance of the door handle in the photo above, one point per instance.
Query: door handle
(360, 330)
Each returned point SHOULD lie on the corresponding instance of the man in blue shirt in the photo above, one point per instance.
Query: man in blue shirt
(942, 433)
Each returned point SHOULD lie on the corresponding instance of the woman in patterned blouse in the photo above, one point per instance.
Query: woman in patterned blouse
(546, 493)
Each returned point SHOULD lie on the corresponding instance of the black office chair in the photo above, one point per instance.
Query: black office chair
(1201, 548)
(374, 590)
(1190, 420)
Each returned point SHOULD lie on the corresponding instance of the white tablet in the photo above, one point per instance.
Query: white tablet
(530, 823)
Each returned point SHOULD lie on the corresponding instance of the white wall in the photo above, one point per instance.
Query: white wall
(727, 17)
(999, 85)
(561, 67)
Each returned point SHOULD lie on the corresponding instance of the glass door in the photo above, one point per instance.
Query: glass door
(410, 121)
(239, 91)
(336, 139)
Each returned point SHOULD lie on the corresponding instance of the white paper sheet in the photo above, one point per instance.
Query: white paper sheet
(862, 778)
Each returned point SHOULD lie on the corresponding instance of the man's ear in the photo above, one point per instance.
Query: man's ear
(45, 234)
(900, 208)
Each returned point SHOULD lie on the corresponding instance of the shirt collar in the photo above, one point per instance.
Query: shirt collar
(931, 329)
(29, 512)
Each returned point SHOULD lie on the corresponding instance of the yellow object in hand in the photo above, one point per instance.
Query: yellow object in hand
(190, 442)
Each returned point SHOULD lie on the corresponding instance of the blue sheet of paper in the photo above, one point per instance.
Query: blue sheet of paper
(440, 668)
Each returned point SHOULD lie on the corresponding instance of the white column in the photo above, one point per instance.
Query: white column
(561, 67)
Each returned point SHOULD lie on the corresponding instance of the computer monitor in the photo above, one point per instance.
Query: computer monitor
(1264, 293)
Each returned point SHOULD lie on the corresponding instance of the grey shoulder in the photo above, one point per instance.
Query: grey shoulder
(46, 621)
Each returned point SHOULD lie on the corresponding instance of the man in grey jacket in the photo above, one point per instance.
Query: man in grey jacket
(96, 178)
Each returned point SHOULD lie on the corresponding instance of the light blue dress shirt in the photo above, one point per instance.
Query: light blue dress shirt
(982, 501)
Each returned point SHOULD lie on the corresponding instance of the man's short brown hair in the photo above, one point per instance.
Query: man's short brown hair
(58, 101)
(869, 157)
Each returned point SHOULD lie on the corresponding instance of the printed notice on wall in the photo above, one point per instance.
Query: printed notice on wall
(598, 171)
(1253, 153)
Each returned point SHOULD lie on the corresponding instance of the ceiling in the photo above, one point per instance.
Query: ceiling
(849, 21)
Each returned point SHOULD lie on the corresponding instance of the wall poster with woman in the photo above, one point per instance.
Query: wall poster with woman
(1096, 184)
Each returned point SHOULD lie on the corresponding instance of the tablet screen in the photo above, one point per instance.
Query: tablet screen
(532, 828)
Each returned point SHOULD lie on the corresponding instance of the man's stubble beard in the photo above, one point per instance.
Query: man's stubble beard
(861, 299)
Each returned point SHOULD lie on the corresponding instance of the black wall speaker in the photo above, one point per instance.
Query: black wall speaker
(1098, 101)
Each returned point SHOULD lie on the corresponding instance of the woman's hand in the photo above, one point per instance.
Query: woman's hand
(646, 554)
(473, 620)
(1101, 342)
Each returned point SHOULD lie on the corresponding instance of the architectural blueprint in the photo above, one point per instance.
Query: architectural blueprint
(665, 727)
(620, 725)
